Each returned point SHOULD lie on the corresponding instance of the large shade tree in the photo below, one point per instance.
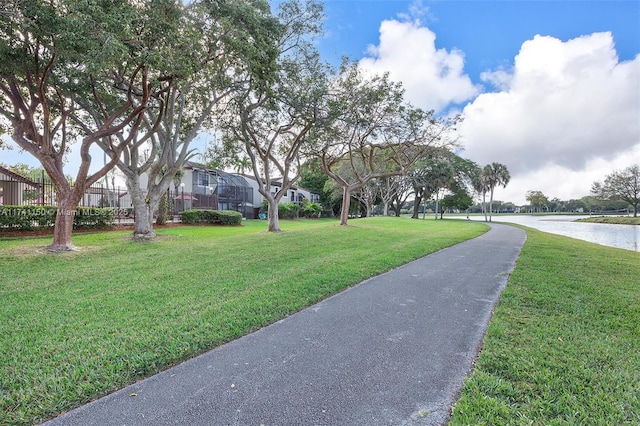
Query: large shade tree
(537, 200)
(269, 122)
(374, 133)
(458, 198)
(394, 192)
(621, 185)
(461, 183)
(433, 174)
(209, 49)
(55, 53)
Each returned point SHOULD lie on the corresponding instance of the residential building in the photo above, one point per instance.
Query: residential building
(203, 187)
(17, 190)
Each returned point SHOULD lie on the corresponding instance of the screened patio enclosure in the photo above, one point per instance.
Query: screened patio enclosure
(217, 190)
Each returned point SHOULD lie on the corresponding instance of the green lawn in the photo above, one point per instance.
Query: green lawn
(563, 347)
(76, 326)
(618, 220)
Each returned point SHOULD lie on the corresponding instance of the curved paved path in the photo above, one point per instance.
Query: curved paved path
(393, 350)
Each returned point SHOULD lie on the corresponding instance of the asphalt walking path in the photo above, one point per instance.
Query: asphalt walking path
(392, 350)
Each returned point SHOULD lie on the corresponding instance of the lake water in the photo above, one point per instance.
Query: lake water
(620, 236)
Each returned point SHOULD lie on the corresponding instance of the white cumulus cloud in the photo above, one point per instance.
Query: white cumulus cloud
(433, 78)
(568, 111)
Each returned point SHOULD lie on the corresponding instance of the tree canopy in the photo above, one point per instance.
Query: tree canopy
(621, 185)
(55, 56)
(268, 122)
(140, 79)
(538, 200)
(373, 133)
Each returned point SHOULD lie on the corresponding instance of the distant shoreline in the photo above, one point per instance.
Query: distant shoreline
(617, 220)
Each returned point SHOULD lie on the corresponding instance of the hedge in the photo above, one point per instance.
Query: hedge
(212, 217)
(29, 218)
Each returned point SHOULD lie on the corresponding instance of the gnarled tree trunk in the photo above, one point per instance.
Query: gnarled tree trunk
(63, 228)
(143, 208)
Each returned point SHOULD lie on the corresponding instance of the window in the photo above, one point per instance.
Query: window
(203, 178)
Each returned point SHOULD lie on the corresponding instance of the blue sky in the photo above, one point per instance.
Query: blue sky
(549, 88)
(490, 33)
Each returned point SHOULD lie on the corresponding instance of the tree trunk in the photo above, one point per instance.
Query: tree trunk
(346, 203)
(143, 217)
(386, 209)
(163, 209)
(416, 206)
(490, 204)
(484, 206)
(64, 223)
(396, 206)
(368, 209)
(273, 216)
(424, 208)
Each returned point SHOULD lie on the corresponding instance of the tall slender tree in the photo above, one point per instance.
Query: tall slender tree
(480, 186)
(494, 174)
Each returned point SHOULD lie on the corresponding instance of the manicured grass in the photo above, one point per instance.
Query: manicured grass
(563, 347)
(615, 220)
(76, 326)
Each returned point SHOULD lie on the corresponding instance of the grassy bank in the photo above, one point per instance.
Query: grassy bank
(611, 219)
(563, 347)
(75, 326)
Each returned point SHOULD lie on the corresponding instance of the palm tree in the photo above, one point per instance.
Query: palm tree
(480, 185)
(241, 164)
(494, 174)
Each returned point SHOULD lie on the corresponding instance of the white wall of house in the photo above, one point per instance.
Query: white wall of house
(311, 196)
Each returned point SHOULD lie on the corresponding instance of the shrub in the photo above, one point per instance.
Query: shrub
(211, 217)
(26, 218)
(29, 218)
(311, 209)
(92, 217)
(288, 210)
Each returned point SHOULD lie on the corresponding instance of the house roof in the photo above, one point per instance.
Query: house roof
(278, 182)
(8, 175)
(230, 179)
(294, 187)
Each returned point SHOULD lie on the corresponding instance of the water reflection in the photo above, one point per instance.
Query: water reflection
(620, 236)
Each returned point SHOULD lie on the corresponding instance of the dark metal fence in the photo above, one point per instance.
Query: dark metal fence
(16, 190)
